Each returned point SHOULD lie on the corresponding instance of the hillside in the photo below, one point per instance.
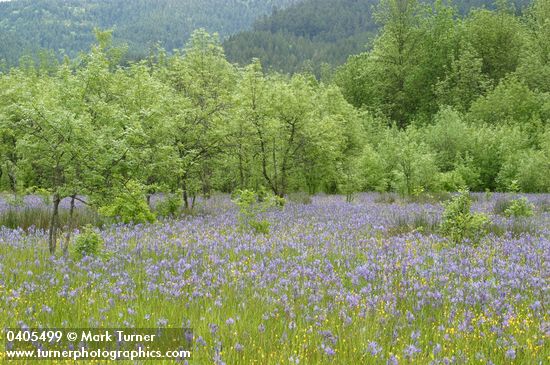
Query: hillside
(27, 26)
(315, 30)
(310, 33)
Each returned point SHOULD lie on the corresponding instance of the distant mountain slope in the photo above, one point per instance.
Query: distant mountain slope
(312, 32)
(28, 25)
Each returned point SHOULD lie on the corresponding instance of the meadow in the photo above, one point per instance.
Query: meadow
(366, 282)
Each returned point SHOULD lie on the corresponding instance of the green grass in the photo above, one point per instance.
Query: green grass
(39, 218)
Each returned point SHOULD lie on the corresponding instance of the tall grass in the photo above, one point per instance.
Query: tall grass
(39, 218)
(35, 212)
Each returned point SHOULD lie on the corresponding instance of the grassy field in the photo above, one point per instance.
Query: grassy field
(369, 282)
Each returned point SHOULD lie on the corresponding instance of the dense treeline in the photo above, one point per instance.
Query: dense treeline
(316, 34)
(189, 123)
(470, 98)
(66, 26)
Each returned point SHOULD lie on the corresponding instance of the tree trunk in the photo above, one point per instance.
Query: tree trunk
(241, 169)
(276, 190)
(54, 222)
(205, 180)
(185, 196)
(70, 226)
(13, 183)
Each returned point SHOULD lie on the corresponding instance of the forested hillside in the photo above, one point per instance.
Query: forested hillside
(313, 32)
(26, 26)
(306, 35)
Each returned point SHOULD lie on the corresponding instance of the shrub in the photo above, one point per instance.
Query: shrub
(501, 205)
(129, 206)
(169, 207)
(459, 223)
(519, 208)
(251, 204)
(451, 181)
(269, 199)
(88, 243)
(260, 226)
(372, 170)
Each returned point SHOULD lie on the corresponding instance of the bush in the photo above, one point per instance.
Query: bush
(519, 208)
(269, 199)
(251, 204)
(459, 223)
(260, 226)
(501, 205)
(129, 206)
(169, 207)
(88, 243)
(373, 170)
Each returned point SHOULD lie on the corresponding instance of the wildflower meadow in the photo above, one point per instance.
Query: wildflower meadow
(332, 282)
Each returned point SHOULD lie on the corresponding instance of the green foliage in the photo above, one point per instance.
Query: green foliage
(87, 243)
(501, 205)
(534, 67)
(373, 170)
(511, 101)
(464, 80)
(259, 226)
(528, 168)
(252, 205)
(128, 206)
(458, 223)
(519, 208)
(410, 164)
(169, 206)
